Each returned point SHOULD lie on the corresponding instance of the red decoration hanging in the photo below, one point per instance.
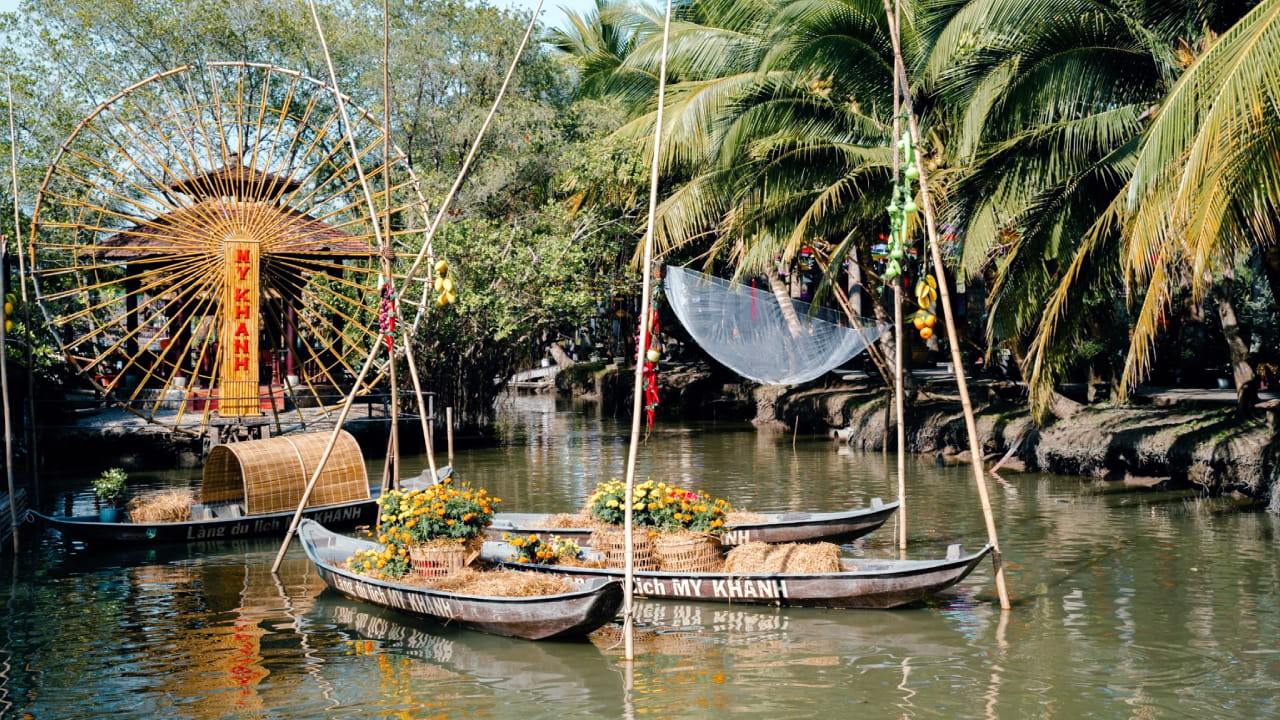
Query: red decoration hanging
(651, 368)
(387, 315)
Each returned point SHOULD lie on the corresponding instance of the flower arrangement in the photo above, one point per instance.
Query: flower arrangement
(109, 486)
(533, 549)
(391, 561)
(660, 505)
(449, 510)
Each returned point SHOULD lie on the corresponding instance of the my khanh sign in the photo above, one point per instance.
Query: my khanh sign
(241, 316)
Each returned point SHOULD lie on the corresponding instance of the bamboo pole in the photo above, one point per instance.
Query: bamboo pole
(29, 430)
(899, 340)
(4, 398)
(935, 249)
(394, 442)
(448, 429)
(424, 420)
(637, 400)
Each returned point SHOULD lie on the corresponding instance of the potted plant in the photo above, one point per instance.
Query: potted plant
(109, 488)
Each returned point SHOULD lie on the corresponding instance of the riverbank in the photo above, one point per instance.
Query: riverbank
(1167, 439)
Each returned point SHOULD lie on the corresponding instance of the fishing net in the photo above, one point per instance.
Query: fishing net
(744, 328)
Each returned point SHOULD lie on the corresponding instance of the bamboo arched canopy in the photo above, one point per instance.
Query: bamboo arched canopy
(270, 475)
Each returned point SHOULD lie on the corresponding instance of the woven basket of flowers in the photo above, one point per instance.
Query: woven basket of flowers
(684, 551)
(681, 528)
(436, 531)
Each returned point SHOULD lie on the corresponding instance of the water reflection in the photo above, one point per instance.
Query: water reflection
(1127, 604)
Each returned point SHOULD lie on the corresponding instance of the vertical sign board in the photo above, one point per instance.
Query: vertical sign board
(238, 388)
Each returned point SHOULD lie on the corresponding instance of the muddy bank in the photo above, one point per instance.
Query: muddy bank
(1184, 444)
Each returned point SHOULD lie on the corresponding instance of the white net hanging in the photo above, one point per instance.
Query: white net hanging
(743, 327)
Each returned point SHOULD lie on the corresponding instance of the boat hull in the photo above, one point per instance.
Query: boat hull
(835, 527)
(874, 584)
(549, 617)
(86, 528)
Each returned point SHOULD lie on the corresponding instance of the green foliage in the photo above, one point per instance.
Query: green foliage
(110, 486)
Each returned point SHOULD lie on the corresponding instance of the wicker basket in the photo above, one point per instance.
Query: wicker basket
(688, 552)
(437, 558)
(611, 541)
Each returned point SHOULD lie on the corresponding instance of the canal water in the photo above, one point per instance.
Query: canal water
(1127, 604)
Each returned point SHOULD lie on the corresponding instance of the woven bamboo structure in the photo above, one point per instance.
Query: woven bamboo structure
(269, 475)
(217, 257)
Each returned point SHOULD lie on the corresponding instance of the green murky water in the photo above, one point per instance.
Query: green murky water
(1127, 605)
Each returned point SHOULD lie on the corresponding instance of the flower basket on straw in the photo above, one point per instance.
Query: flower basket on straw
(437, 558)
(688, 552)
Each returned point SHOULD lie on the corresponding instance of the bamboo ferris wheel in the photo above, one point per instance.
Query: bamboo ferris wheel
(203, 248)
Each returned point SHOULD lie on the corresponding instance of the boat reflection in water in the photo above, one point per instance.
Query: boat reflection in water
(457, 661)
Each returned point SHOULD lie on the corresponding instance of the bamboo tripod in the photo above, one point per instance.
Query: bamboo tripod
(902, 92)
(423, 253)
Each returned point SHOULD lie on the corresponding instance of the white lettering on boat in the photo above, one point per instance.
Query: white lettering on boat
(736, 537)
(204, 532)
(336, 515)
(413, 602)
(728, 588)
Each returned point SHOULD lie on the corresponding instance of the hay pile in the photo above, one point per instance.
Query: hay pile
(565, 520)
(161, 507)
(498, 583)
(758, 557)
(743, 517)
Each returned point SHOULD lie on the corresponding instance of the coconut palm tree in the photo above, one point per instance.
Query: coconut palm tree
(1050, 103)
(1205, 189)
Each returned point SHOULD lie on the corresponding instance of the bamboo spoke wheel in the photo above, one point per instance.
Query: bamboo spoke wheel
(204, 251)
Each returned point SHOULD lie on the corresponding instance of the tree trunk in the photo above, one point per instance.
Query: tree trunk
(1271, 268)
(784, 303)
(1242, 371)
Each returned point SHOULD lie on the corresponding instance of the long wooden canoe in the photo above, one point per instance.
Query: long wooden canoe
(539, 617)
(223, 521)
(873, 584)
(88, 529)
(836, 527)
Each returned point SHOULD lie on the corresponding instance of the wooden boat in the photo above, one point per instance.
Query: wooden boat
(873, 584)
(539, 617)
(836, 527)
(252, 489)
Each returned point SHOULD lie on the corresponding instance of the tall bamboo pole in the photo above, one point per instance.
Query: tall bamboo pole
(899, 338)
(30, 429)
(637, 399)
(4, 398)
(935, 249)
(393, 458)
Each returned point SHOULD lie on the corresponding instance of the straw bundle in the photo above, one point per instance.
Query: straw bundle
(743, 517)
(565, 520)
(161, 507)
(758, 557)
(500, 583)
